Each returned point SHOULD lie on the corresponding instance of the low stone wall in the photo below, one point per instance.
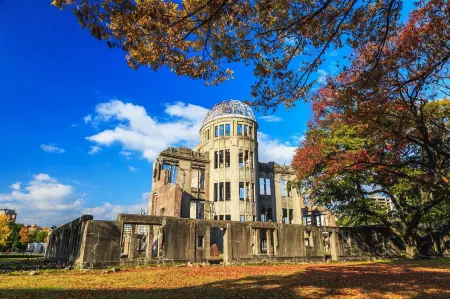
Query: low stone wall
(100, 247)
(65, 241)
(159, 239)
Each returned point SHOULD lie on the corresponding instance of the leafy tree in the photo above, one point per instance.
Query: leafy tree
(14, 237)
(201, 39)
(24, 235)
(32, 233)
(387, 127)
(41, 236)
(5, 230)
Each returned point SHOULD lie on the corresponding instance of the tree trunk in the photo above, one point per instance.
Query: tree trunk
(411, 247)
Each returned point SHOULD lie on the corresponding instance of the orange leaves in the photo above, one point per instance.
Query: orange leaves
(24, 235)
(200, 39)
(366, 280)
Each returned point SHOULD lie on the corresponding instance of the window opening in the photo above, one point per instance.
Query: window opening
(221, 159)
(268, 190)
(246, 159)
(261, 186)
(216, 159)
(215, 191)
(241, 158)
(172, 173)
(283, 188)
(202, 179)
(239, 129)
(308, 239)
(247, 191)
(227, 191)
(221, 192)
(263, 241)
(241, 191)
(285, 216)
(200, 241)
(221, 130)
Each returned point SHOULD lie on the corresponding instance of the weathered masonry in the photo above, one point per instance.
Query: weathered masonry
(222, 178)
(143, 239)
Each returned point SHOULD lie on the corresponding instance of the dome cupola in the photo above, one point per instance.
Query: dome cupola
(229, 108)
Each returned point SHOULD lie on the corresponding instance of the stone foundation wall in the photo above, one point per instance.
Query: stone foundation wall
(64, 242)
(158, 239)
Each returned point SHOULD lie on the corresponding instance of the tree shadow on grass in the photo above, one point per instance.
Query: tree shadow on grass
(367, 280)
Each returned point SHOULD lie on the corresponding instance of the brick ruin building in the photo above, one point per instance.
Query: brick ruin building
(222, 178)
(218, 203)
(11, 214)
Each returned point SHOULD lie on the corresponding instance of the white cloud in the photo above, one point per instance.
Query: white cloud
(271, 118)
(298, 139)
(274, 150)
(46, 201)
(5, 197)
(94, 150)
(126, 154)
(322, 79)
(132, 169)
(87, 119)
(135, 130)
(145, 196)
(52, 148)
(16, 186)
(109, 211)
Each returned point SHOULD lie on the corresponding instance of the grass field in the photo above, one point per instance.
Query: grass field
(9, 259)
(364, 280)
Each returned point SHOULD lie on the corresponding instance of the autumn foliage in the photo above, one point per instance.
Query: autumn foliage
(5, 230)
(24, 235)
(385, 129)
(214, 251)
(424, 279)
(284, 42)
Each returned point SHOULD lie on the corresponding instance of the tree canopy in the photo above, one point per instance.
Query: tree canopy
(283, 41)
(5, 230)
(388, 134)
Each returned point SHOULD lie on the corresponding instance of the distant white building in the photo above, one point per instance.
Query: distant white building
(36, 247)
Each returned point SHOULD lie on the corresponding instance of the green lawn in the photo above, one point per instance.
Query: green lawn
(12, 258)
(403, 279)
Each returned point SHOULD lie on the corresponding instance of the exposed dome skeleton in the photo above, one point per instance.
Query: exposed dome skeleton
(229, 108)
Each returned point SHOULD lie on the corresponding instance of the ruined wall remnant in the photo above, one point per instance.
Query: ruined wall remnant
(143, 239)
(64, 242)
(178, 185)
(86, 243)
(100, 247)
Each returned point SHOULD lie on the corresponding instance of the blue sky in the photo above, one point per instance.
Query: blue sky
(80, 129)
(53, 75)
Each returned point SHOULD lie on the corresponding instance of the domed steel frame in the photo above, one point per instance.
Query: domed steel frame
(229, 108)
